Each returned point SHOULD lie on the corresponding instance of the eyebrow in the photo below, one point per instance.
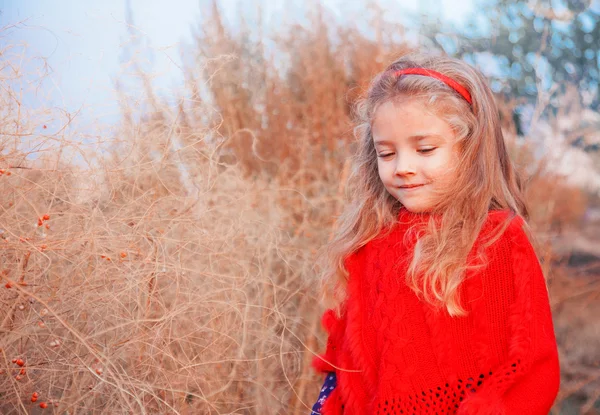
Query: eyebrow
(417, 137)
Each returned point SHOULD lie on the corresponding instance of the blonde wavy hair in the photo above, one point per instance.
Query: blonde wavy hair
(486, 181)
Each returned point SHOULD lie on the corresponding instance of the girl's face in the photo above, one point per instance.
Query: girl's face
(416, 153)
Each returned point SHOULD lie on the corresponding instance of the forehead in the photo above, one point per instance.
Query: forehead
(408, 120)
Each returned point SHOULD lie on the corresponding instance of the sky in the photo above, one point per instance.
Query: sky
(81, 43)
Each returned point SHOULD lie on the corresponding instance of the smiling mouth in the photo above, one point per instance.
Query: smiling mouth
(411, 186)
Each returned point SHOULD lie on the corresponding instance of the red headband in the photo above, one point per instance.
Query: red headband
(448, 81)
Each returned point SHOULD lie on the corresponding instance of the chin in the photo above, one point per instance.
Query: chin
(417, 207)
(417, 210)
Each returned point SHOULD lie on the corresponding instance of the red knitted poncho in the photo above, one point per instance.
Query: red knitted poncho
(394, 354)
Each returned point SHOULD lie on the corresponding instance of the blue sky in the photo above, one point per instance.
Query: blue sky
(82, 41)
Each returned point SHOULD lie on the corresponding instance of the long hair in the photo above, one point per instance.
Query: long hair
(486, 180)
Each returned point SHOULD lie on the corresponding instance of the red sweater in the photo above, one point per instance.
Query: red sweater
(394, 354)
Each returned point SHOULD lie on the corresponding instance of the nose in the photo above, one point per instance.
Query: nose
(405, 165)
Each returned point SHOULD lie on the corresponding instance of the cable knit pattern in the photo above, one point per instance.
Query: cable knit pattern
(394, 354)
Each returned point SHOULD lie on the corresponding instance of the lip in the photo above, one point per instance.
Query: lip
(410, 187)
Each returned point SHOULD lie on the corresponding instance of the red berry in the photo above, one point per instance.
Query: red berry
(46, 217)
(20, 362)
(8, 285)
(43, 405)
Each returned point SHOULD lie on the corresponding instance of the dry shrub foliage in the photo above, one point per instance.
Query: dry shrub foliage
(174, 271)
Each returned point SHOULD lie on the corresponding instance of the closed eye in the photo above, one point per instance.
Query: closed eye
(422, 151)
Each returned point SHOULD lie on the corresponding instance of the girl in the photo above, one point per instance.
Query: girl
(439, 302)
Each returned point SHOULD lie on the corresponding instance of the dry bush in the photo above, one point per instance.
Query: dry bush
(175, 272)
(569, 247)
(575, 308)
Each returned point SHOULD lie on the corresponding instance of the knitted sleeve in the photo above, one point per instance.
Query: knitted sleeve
(528, 382)
(328, 361)
(334, 326)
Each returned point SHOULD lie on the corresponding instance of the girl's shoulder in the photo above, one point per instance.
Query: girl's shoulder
(508, 228)
(390, 238)
(502, 214)
(505, 218)
(513, 220)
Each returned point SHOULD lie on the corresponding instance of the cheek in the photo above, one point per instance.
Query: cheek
(443, 166)
(383, 171)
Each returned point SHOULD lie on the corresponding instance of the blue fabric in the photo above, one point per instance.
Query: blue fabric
(328, 387)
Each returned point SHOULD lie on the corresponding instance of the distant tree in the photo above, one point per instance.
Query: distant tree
(536, 44)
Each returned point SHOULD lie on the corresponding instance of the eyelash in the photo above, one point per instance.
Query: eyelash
(424, 151)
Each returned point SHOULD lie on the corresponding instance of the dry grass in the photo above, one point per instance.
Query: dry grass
(174, 272)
